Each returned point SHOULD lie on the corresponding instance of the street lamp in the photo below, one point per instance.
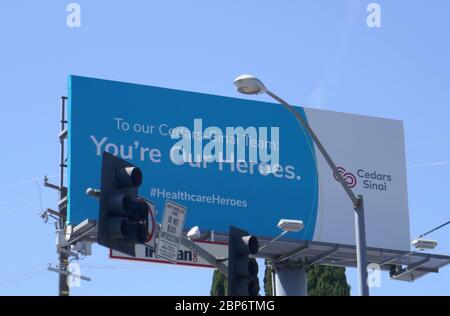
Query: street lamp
(249, 84)
(286, 225)
(193, 233)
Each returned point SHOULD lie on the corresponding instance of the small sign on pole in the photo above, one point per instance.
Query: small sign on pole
(170, 231)
(151, 226)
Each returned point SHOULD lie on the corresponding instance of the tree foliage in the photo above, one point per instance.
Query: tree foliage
(219, 284)
(322, 281)
(327, 281)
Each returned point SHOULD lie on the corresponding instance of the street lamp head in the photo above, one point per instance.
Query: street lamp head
(422, 244)
(290, 225)
(194, 233)
(249, 84)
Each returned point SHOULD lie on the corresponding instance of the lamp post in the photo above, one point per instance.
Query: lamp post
(286, 225)
(248, 84)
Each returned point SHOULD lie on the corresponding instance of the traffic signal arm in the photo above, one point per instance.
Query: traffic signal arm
(212, 260)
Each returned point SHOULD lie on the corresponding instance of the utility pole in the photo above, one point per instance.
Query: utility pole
(63, 255)
(63, 248)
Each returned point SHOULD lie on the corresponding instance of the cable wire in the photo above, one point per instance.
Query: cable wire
(431, 164)
(11, 185)
(440, 141)
(23, 275)
(40, 195)
(28, 197)
(23, 206)
(434, 229)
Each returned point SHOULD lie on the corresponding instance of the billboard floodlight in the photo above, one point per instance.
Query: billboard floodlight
(423, 244)
(194, 233)
(290, 225)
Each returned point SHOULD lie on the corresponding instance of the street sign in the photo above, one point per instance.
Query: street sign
(145, 125)
(186, 257)
(170, 231)
(151, 241)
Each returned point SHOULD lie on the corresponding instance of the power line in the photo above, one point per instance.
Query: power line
(40, 195)
(23, 206)
(434, 142)
(11, 185)
(24, 198)
(431, 164)
(434, 229)
(23, 275)
(19, 273)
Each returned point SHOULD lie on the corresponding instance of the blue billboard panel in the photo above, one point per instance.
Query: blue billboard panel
(231, 143)
(213, 155)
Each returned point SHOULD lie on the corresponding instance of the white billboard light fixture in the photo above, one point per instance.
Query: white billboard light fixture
(286, 225)
(194, 233)
(424, 244)
(290, 225)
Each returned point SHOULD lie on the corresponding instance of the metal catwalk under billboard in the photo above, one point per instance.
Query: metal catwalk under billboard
(240, 162)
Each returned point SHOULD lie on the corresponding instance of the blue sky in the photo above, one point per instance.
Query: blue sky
(313, 53)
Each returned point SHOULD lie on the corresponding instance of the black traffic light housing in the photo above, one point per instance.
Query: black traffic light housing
(242, 270)
(123, 218)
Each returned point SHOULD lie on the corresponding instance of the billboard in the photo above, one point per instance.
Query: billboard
(240, 162)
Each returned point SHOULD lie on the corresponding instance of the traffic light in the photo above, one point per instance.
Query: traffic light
(123, 218)
(242, 270)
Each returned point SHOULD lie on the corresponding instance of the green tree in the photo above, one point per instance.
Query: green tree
(268, 280)
(322, 281)
(219, 284)
(327, 281)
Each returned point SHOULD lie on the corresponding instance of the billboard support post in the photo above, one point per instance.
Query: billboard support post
(290, 280)
(361, 251)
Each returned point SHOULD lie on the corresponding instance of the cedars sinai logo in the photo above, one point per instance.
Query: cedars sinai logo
(348, 177)
(371, 180)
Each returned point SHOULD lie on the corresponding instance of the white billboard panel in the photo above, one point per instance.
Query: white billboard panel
(370, 154)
